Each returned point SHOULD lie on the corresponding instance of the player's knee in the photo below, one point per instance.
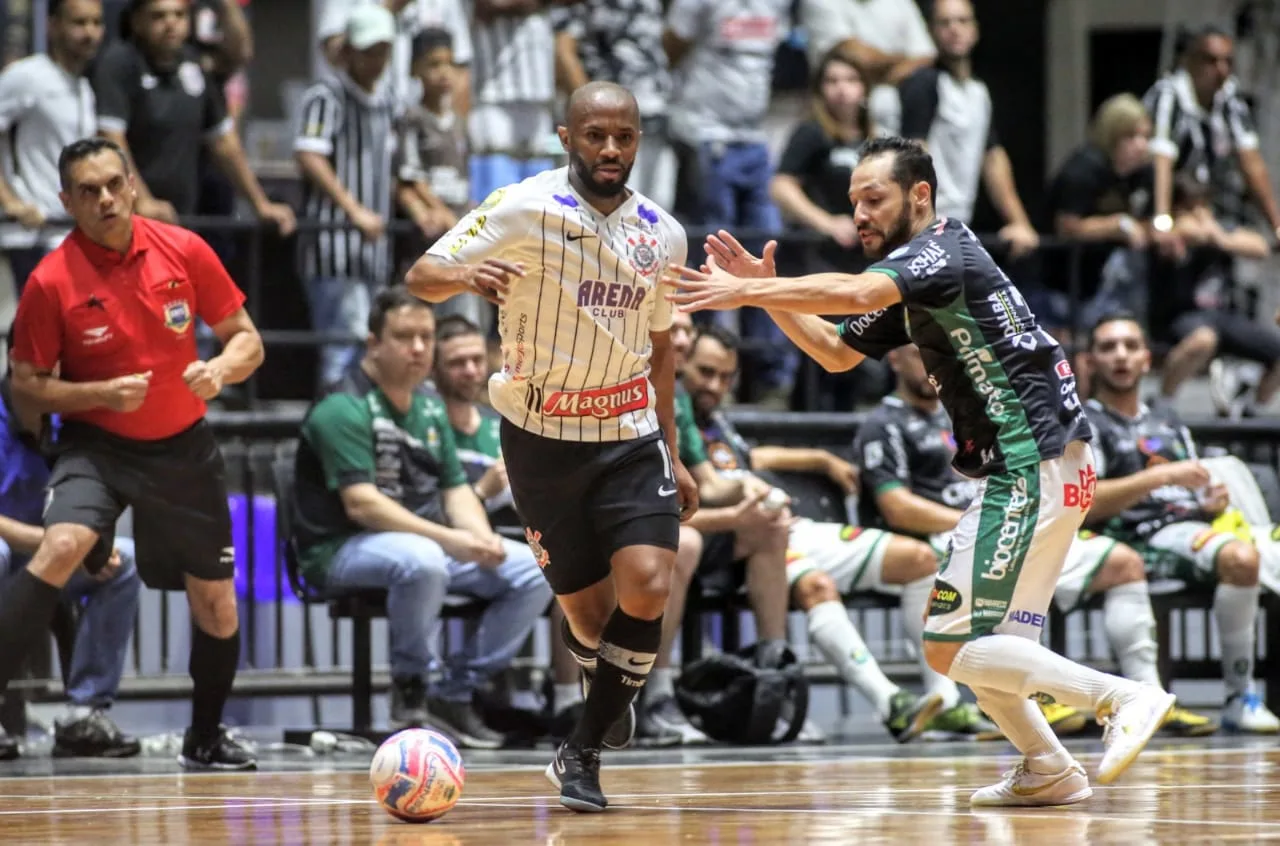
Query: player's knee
(643, 586)
(213, 606)
(1202, 342)
(940, 654)
(63, 548)
(1238, 564)
(1124, 565)
(687, 556)
(924, 561)
(814, 588)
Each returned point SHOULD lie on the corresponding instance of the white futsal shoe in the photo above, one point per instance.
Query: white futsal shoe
(1132, 721)
(1245, 712)
(1023, 788)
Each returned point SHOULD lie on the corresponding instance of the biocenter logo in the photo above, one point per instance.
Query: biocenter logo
(997, 567)
(977, 362)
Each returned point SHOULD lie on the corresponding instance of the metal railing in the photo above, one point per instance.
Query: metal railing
(254, 242)
(289, 650)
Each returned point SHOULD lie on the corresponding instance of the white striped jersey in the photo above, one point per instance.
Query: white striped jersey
(575, 328)
(1203, 142)
(355, 129)
(513, 59)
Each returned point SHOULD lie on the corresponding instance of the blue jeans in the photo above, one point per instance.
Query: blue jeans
(417, 575)
(735, 195)
(102, 641)
(491, 172)
(338, 305)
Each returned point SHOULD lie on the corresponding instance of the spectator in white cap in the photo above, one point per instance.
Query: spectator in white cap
(344, 146)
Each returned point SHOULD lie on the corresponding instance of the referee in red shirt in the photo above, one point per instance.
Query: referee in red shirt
(105, 337)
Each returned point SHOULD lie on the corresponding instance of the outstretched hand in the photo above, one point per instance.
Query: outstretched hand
(729, 254)
(709, 288)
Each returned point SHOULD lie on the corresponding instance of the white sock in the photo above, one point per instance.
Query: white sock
(1236, 610)
(1024, 724)
(835, 636)
(1131, 626)
(567, 695)
(1023, 667)
(661, 684)
(915, 598)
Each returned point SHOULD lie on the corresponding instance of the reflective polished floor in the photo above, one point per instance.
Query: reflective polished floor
(1215, 792)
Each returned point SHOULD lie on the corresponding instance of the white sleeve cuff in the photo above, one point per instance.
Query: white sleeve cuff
(323, 146)
(1163, 147)
(223, 127)
(112, 124)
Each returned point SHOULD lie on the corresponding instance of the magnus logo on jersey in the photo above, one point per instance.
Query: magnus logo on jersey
(1003, 559)
(610, 299)
(977, 364)
(929, 261)
(632, 395)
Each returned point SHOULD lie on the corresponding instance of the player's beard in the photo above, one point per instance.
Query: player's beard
(1114, 387)
(892, 239)
(601, 189)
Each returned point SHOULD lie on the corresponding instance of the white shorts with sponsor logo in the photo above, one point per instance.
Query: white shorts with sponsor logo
(1007, 552)
(1086, 555)
(851, 555)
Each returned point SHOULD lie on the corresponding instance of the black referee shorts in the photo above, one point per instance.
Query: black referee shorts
(178, 490)
(582, 501)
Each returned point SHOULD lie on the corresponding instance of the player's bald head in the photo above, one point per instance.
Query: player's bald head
(597, 99)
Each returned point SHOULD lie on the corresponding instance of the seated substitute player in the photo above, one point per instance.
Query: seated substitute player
(1154, 493)
(1020, 429)
(109, 600)
(577, 262)
(906, 448)
(382, 502)
(826, 561)
(105, 338)
(461, 373)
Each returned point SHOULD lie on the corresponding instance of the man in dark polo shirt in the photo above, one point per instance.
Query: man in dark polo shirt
(383, 502)
(157, 103)
(104, 338)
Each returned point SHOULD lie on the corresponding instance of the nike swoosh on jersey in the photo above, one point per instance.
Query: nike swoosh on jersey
(665, 492)
(572, 236)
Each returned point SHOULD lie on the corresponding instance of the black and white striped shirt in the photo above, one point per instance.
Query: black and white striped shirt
(1203, 142)
(513, 59)
(355, 129)
(575, 328)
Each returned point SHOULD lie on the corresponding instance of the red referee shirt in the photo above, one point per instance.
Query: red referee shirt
(102, 315)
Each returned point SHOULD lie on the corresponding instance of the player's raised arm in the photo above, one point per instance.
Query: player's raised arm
(473, 256)
(817, 293)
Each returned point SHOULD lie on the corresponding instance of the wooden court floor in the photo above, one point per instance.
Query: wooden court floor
(1175, 794)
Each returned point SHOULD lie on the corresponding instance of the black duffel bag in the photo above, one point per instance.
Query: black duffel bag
(731, 699)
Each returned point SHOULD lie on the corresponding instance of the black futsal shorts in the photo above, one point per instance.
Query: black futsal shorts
(176, 486)
(582, 501)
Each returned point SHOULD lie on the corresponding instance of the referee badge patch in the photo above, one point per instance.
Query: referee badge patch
(177, 315)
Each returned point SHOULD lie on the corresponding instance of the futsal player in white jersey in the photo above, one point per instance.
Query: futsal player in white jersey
(575, 261)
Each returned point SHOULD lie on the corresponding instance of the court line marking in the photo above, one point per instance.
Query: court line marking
(133, 809)
(614, 764)
(887, 792)
(983, 814)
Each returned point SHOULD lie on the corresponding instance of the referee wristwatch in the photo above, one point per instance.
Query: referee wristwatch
(1162, 223)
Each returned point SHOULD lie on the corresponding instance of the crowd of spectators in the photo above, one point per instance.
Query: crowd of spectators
(426, 106)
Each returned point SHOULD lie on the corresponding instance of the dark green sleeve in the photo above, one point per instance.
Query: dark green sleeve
(341, 433)
(692, 451)
(451, 472)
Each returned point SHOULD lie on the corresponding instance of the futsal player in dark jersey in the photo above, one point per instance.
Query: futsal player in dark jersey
(1020, 431)
(105, 337)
